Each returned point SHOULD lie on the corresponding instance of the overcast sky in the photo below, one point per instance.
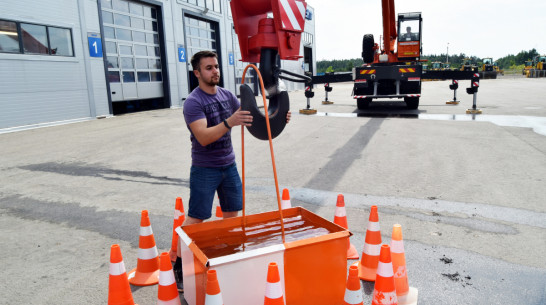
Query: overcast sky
(484, 28)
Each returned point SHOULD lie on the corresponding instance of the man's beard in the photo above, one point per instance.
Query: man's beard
(213, 81)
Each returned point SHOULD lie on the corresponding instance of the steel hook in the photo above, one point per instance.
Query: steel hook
(279, 105)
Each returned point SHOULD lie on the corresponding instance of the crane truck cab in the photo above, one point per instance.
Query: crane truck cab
(392, 71)
(409, 36)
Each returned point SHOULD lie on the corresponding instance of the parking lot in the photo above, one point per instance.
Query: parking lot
(468, 190)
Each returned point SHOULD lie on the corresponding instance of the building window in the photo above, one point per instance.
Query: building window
(212, 5)
(60, 41)
(28, 38)
(9, 37)
(307, 38)
(34, 39)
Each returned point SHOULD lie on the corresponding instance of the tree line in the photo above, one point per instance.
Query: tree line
(455, 61)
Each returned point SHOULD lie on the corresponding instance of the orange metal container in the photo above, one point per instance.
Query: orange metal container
(312, 261)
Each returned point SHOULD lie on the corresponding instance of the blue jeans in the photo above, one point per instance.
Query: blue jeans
(205, 181)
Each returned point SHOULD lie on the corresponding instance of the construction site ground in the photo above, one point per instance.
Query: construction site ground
(469, 191)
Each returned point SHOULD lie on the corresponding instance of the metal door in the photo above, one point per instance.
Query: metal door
(127, 66)
(133, 55)
(201, 34)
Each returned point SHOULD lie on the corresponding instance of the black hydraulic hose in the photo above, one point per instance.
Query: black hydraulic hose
(293, 79)
(304, 77)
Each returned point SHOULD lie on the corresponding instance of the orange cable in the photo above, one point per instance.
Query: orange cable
(270, 148)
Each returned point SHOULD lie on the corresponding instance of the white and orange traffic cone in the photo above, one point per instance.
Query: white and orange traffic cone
(285, 200)
(384, 292)
(213, 295)
(406, 295)
(167, 292)
(219, 213)
(179, 218)
(367, 267)
(119, 291)
(147, 271)
(353, 292)
(340, 218)
(273, 287)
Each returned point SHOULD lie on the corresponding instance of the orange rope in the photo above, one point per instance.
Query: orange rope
(270, 148)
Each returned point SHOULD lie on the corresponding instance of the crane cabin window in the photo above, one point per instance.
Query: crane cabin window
(409, 30)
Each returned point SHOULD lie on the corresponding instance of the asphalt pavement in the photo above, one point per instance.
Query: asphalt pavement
(468, 190)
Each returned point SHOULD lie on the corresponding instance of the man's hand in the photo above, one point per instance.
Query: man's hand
(288, 116)
(240, 117)
(206, 135)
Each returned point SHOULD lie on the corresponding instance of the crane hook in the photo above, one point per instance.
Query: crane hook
(279, 105)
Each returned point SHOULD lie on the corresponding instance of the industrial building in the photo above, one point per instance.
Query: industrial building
(71, 60)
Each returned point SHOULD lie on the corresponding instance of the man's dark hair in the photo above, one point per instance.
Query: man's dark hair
(196, 58)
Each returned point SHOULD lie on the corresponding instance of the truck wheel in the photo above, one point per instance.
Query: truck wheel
(412, 102)
(367, 48)
(363, 103)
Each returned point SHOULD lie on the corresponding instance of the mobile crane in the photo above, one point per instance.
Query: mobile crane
(394, 70)
(390, 72)
(267, 34)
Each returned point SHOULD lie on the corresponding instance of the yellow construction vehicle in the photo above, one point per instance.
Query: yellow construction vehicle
(488, 69)
(468, 65)
(497, 68)
(538, 68)
(528, 66)
(540, 62)
(437, 66)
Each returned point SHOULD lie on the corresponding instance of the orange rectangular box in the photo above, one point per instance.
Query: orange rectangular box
(312, 261)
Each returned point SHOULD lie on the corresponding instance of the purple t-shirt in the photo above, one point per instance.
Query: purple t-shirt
(215, 108)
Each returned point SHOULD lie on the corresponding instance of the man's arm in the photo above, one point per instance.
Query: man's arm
(207, 135)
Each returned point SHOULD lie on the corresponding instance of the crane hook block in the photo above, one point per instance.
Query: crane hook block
(279, 106)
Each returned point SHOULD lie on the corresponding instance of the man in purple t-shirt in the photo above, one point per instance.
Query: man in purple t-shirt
(210, 113)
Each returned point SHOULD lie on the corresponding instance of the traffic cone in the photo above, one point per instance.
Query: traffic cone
(372, 246)
(353, 293)
(384, 292)
(273, 287)
(285, 201)
(147, 271)
(406, 295)
(119, 291)
(167, 293)
(179, 218)
(219, 213)
(213, 295)
(340, 218)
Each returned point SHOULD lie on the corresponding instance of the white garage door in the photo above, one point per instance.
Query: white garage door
(132, 49)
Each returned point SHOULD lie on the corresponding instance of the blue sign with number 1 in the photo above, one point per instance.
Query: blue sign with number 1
(95, 46)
